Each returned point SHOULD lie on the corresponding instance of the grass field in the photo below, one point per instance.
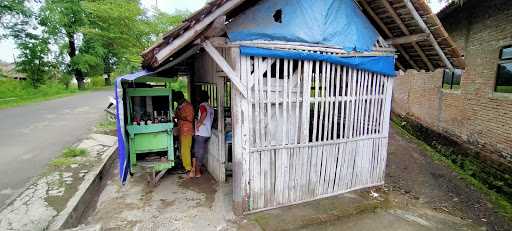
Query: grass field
(16, 93)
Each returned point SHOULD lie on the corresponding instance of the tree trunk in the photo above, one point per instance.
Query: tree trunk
(79, 75)
(107, 80)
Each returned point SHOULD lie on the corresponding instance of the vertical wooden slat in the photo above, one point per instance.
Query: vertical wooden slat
(343, 103)
(352, 102)
(257, 128)
(355, 101)
(387, 111)
(326, 92)
(337, 100)
(260, 179)
(315, 110)
(306, 96)
(333, 98)
(277, 100)
(268, 128)
(285, 101)
(291, 133)
(297, 154)
(366, 102)
(265, 155)
(372, 104)
(265, 167)
(255, 181)
(359, 90)
(382, 90)
(297, 100)
(239, 134)
(322, 104)
(327, 99)
(327, 131)
(247, 133)
(379, 104)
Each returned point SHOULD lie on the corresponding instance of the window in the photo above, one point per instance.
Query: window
(504, 72)
(451, 79)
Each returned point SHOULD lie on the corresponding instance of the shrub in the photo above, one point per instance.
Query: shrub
(96, 82)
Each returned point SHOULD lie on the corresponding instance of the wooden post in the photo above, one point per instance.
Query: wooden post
(240, 134)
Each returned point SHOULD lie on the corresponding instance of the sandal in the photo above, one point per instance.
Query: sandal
(189, 175)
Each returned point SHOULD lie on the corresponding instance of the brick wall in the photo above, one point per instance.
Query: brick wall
(475, 114)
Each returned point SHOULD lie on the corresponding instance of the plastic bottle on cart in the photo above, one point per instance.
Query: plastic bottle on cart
(162, 118)
(155, 117)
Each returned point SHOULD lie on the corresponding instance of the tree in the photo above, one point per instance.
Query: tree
(162, 22)
(116, 27)
(33, 58)
(121, 30)
(12, 8)
(62, 20)
(92, 37)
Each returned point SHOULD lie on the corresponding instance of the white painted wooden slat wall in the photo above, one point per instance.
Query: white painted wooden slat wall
(314, 129)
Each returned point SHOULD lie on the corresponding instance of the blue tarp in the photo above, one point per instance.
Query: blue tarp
(124, 166)
(377, 64)
(338, 23)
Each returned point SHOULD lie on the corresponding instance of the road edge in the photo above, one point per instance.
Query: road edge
(77, 205)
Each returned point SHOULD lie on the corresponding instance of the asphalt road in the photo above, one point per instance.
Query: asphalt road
(32, 135)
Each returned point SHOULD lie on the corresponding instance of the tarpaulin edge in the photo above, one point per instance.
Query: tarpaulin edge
(384, 65)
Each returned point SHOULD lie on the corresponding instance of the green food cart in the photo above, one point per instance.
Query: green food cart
(146, 125)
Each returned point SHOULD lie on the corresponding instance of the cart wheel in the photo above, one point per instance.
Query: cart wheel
(131, 173)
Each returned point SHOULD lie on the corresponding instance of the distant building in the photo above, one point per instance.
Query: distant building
(9, 70)
(472, 106)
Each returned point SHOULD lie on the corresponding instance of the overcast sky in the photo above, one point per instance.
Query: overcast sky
(8, 48)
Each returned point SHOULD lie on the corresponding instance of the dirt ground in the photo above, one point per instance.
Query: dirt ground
(419, 194)
(436, 186)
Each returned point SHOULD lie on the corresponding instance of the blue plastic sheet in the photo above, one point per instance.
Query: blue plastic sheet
(337, 23)
(377, 64)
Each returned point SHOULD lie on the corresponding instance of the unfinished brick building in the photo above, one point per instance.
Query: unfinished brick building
(473, 108)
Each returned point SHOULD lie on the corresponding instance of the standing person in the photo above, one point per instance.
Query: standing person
(203, 131)
(185, 116)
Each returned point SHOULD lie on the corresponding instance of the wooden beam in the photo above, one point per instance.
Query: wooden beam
(400, 66)
(184, 56)
(404, 29)
(408, 39)
(223, 64)
(388, 33)
(191, 33)
(426, 30)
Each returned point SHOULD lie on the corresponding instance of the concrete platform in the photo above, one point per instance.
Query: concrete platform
(202, 204)
(175, 204)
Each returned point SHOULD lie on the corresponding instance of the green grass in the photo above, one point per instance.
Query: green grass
(106, 125)
(73, 152)
(502, 205)
(504, 89)
(68, 157)
(454, 87)
(16, 93)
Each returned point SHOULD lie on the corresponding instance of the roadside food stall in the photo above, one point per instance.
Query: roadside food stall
(310, 86)
(144, 119)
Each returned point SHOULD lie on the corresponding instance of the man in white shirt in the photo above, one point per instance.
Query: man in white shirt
(203, 131)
